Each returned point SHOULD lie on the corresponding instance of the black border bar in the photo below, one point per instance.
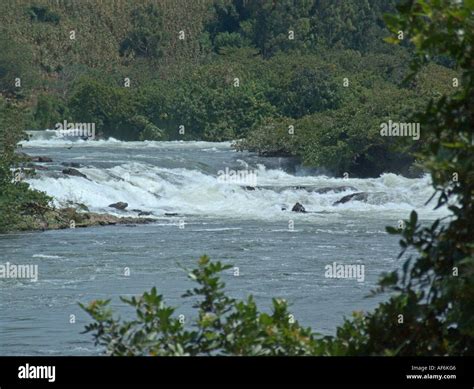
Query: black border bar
(292, 372)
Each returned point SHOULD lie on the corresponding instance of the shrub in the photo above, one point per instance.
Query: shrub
(223, 326)
(43, 14)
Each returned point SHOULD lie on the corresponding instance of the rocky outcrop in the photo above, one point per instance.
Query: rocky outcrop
(70, 217)
(74, 172)
(298, 208)
(120, 205)
(361, 196)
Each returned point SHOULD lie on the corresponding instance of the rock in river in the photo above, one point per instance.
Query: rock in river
(73, 172)
(41, 159)
(120, 205)
(361, 196)
(298, 208)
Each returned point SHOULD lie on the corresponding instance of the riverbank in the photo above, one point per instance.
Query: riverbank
(56, 219)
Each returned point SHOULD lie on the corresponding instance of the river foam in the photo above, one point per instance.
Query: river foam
(197, 189)
(191, 192)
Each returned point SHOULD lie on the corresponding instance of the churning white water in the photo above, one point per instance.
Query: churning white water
(192, 190)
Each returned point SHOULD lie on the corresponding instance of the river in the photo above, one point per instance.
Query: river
(278, 253)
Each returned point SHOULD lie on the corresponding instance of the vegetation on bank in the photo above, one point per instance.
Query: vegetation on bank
(18, 202)
(307, 78)
(23, 208)
(430, 311)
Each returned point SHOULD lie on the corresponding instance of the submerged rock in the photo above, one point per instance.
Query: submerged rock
(308, 188)
(361, 196)
(120, 205)
(41, 159)
(37, 167)
(298, 208)
(171, 214)
(71, 164)
(74, 172)
(335, 189)
(144, 213)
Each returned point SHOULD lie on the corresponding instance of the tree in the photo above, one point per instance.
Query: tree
(49, 111)
(145, 38)
(276, 25)
(17, 75)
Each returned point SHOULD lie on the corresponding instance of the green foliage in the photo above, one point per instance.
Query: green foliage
(351, 24)
(288, 25)
(50, 110)
(43, 14)
(190, 82)
(271, 137)
(268, 24)
(337, 127)
(110, 108)
(208, 102)
(228, 39)
(17, 199)
(345, 139)
(302, 85)
(15, 66)
(144, 40)
(148, 131)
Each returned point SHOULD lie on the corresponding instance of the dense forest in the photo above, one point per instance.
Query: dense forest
(312, 79)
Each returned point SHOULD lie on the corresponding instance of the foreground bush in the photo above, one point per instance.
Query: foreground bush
(223, 326)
